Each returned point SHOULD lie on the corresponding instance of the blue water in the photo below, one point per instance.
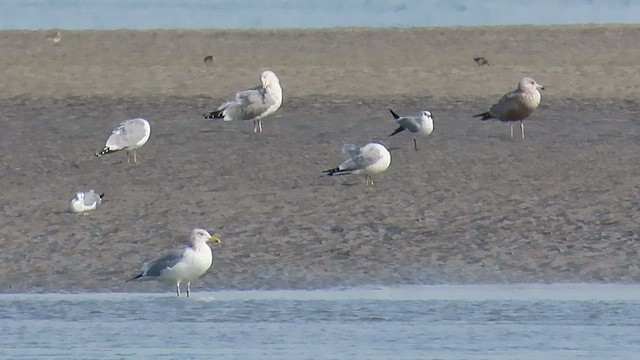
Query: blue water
(423, 322)
(234, 14)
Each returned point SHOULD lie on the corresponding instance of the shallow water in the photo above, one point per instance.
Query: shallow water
(225, 14)
(435, 322)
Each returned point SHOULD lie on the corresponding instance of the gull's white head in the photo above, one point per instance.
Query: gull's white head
(80, 195)
(528, 83)
(267, 78)
(202, 236)
(426, 115)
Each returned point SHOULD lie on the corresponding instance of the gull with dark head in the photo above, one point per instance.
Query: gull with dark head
(516, 105)
(367, 160)
(130, 135)
(420, 125)
(181, 265)
(253, 104)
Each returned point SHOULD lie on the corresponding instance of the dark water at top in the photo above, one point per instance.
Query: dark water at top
(239, 14)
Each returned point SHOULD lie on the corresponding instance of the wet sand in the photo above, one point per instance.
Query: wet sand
(472, 206)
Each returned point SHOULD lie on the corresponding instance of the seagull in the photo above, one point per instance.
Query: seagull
(516, 105)
(367, 160)
(85, 201)
(129, 135)
(55, 37)
(422, 125)
(185, 264)
(481, 61)
(253, 104)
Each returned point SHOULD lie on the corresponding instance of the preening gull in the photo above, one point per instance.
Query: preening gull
(85, 201)
(421, 125)
(253, 104)
(516, 105)
(185, 264)
(367, 160)
(129, 135)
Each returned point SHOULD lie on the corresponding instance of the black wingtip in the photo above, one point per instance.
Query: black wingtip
(398, 130)
(214, 115)
(395, 116)
(101, 195)
(484, 115)
(104, 151)
(331, 171)
(134, 278)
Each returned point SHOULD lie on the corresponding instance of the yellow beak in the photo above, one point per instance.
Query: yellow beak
(215, 239)
(264, 84)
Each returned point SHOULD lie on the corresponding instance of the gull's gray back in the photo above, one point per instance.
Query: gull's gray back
(248, 105)
(155, 267)
(90, 198)
(410, 123)
(128, 133)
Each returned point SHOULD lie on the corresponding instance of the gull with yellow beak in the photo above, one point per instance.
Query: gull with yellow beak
(185, 264)
(253, 104)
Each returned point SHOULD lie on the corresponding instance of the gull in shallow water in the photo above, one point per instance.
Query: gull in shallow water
(366, 160)
(85, 201)
(253, 104)
(129, 135)
(185, 264)
(421, 125)
(516, 105)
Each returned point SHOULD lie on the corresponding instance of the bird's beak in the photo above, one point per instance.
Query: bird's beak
(264, 84)
(541, 87)
(215, 238)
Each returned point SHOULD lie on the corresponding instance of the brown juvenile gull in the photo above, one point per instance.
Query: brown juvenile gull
(185, 264)
(367, 160)
(130, 135)
(516, 105)
(421, 125)
(253, 104)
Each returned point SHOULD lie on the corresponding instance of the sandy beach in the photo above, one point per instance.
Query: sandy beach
(472, 206)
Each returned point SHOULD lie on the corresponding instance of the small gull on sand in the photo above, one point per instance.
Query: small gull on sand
(516, 105)
(129, 135)
(253, 104)
(85, 201)
(55, 37)
(421, 125)
(185, 264)
(209, 59)
(366, 160)
(481, 61)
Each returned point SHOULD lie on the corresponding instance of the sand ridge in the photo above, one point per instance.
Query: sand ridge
(470, 206)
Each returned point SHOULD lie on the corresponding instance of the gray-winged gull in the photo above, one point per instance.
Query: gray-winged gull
(421, 125)
(367, 160)
(85, 201)
(130, 135)
(184, 264)
(516, 105)
(253, 104)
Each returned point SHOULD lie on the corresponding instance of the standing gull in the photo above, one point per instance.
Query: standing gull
(185, 264)
(367, 160)
(253, 104)
(85, 201)
(129, 135)
(516, 105)
(422, 125)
